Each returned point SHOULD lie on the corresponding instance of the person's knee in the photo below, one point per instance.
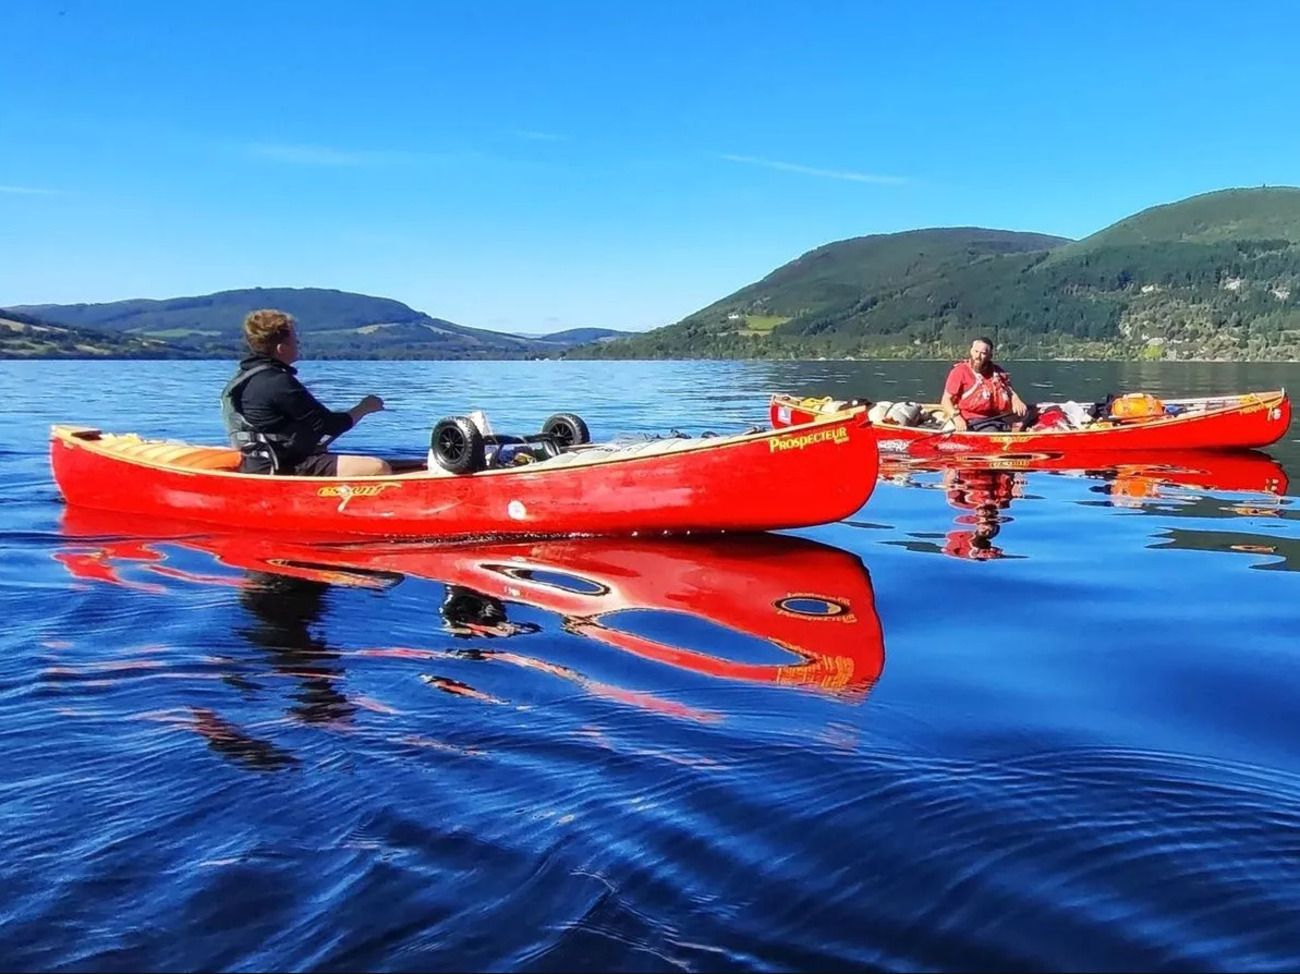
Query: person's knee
(363, 467)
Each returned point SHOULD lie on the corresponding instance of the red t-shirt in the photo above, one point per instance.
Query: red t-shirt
(988, 396)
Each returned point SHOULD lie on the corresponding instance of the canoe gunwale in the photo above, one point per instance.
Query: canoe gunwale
(77, 437)
(706, 485)
(1237, 421)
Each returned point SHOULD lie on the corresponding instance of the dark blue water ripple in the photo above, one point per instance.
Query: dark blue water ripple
(1053, 728)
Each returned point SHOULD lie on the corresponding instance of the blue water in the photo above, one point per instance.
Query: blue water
(1045, 721)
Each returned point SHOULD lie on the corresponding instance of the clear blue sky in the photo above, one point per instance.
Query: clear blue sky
(529, 166)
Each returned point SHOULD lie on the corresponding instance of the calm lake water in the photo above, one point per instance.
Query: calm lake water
(996, 720)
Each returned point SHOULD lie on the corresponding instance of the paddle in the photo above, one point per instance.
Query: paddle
(924, 443)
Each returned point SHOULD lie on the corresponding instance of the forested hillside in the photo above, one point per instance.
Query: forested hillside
(26, 336)
(1216, 276)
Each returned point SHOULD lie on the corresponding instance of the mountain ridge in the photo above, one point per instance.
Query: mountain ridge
(1215, 276)
(333, 324)
(24, 336)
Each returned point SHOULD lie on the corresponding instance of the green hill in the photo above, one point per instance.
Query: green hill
(837, 275)
(25, 336)
(578, 336)
(1214, 276)
(1271, 213)
(333, 324)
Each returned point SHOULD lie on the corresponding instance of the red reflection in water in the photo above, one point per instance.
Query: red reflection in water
(812, 602)
(984, 487)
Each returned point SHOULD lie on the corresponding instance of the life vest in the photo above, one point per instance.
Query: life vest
(249, 440)
(989, 396)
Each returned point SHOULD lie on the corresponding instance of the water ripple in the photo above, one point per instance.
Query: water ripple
(1066, 743)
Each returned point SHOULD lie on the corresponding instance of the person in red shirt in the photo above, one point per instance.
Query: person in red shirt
(978, 395)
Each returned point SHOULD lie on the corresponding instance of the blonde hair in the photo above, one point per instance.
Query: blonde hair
(265, 329)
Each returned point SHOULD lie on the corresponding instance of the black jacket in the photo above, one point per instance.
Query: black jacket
(274, 401)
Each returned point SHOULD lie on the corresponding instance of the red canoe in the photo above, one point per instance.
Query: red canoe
(1214, 423)
(812, 603)
(709, 484)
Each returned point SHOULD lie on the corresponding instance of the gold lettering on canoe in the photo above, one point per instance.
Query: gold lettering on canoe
(837, 436)
(345, 492)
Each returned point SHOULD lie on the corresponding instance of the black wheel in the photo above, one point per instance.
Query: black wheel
(457, 445)
(567, 430)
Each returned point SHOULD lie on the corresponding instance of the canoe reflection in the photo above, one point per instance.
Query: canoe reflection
(983, 488)
(686, 603)
(1246, 471)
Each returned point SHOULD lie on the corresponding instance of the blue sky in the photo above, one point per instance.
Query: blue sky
(531, 166)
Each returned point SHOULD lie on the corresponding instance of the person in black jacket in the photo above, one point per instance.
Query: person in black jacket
(278, 425)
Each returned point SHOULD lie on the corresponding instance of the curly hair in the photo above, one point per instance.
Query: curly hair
(265, 329)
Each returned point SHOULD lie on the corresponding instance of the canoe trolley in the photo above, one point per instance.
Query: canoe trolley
(463, 444)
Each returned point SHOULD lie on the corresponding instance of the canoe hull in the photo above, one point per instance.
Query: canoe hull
(701, 487)
(1247, 421)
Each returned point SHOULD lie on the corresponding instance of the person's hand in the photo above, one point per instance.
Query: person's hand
(371, 404)
(959, 422)
(1018, 407)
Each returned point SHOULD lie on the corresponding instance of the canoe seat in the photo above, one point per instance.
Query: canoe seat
(211, 458)
(171, 454)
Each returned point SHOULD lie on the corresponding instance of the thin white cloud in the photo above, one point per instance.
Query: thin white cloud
(855, 177)
(323, 155)
(30, 191)
(534, 136)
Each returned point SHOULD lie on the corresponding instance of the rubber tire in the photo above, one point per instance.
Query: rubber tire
(567, 429)
(457, 445)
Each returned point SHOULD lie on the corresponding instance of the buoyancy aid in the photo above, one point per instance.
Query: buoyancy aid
(988, 396)
(243, 435)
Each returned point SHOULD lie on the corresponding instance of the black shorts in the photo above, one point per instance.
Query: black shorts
(316, 465)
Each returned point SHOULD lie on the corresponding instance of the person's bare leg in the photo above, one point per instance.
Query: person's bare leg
(351, 466)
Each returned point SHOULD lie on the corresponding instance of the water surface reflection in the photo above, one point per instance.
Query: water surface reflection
(763, 609)
(984, 489)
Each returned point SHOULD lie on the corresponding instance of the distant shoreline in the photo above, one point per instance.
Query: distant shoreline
(864, 361)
